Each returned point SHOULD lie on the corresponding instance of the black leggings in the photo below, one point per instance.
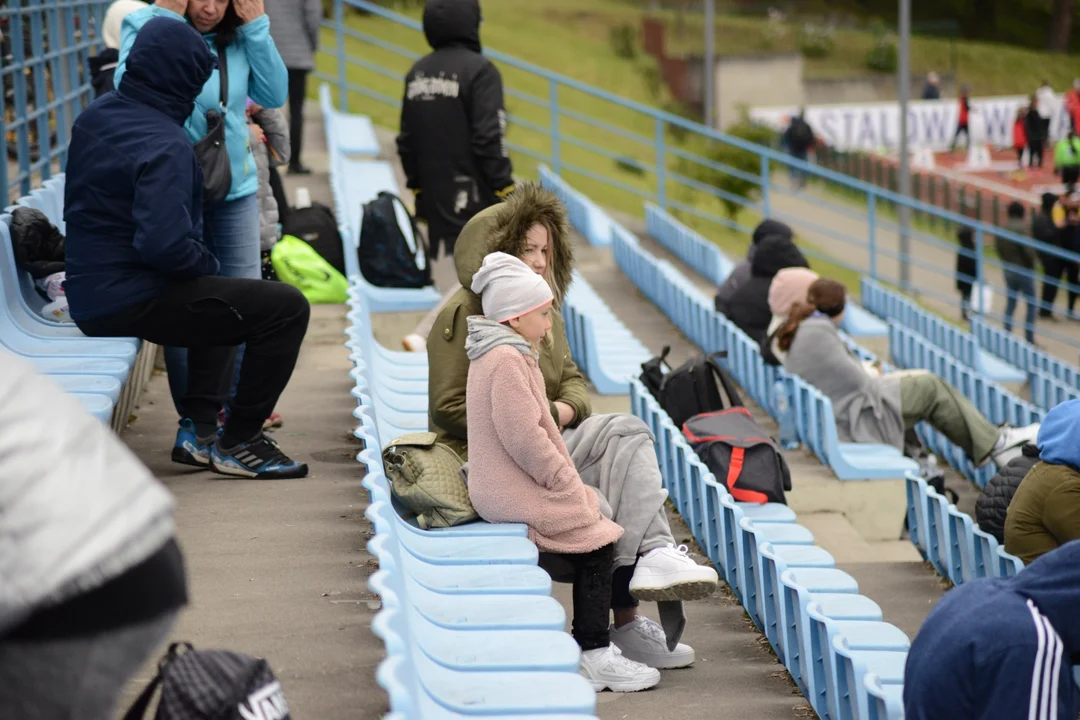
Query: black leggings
(592, 596)
(1053, 269)
(297, 92)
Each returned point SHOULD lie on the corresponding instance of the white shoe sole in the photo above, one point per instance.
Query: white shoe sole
(674, 589)
(661, 661)
(625, 686)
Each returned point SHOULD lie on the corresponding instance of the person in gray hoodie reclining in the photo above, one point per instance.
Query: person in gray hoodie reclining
(874, 408)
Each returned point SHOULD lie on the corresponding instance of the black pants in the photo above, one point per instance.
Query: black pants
(956, 138)
(297, 93)
(211, 316)
(1070, 175)
(592, 596)
(1035, 153)
(1053, 269)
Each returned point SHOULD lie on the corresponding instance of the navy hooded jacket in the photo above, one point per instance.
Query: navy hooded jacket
(1001, 648)
(133, 191)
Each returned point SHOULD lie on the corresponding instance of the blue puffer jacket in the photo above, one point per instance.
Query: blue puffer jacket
(255, 70)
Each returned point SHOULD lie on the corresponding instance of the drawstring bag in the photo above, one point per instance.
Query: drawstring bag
(296, 263)
(212, 685)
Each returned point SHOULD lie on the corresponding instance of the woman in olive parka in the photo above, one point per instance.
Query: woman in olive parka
(614, 454)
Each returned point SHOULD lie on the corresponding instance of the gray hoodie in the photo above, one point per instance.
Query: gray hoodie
(276, 130)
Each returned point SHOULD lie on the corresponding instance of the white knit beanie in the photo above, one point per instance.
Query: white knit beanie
(508, 288)
(114, 18)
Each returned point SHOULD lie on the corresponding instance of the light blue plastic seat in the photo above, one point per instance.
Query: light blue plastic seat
(884, 702)
(100, 406)
(852, 666)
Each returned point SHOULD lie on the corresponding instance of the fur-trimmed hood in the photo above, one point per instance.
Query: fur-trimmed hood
(502, 228)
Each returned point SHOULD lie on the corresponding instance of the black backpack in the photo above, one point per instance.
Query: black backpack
(691, 389)
(740, 454)
(212, 685)
(317, 226)
(387, 257)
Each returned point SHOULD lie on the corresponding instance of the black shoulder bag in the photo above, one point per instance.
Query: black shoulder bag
(211, 151)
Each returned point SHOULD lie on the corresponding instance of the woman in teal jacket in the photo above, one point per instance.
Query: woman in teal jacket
(256, 71)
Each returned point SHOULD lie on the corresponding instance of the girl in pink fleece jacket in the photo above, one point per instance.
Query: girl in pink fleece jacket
(519, 468)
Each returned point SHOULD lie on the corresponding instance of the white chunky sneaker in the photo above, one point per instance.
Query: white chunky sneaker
(607, 669)
(668, 573)
(644, 641)
(1011, 442)
(414, 343)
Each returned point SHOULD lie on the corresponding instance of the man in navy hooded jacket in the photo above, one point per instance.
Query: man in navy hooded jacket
(1001, 648)
(137, 265)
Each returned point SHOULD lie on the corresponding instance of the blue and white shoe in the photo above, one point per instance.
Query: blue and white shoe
(260, 459)
(189, 448)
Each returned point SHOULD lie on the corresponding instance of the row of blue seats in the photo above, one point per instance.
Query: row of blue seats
(98, 372)
(832, 640)
(913, 351)
(712, 264)
(353, 182)
(601, 345)
(890, 305)
(951, 541)
(467, 617)
(1052, 380)
(693, 313)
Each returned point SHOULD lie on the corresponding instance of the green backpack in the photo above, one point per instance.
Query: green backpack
(297, 264)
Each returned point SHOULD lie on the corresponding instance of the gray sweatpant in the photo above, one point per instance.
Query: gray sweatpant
(77, 678)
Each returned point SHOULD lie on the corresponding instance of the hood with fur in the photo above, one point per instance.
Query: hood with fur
(502, 228)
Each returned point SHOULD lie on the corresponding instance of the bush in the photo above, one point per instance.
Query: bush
(816, 41)
(883, 56)
(623, 39)
(729, 156)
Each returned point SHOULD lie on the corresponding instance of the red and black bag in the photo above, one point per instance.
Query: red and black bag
(740, 454)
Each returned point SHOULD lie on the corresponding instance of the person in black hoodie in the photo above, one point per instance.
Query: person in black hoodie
(749, 306)
(965, 269)
(1001, 647)
(741, 272)
(453, 125)
(992, 505)
(137, 265)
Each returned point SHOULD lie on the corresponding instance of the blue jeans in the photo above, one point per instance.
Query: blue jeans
(1017, 285)
(798, 175)
(231, 232)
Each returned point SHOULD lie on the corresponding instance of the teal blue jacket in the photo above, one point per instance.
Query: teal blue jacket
(255, 70)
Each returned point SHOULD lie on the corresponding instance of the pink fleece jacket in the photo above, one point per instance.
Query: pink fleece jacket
(519, 468)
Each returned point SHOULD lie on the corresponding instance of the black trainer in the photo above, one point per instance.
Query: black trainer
(260, 458)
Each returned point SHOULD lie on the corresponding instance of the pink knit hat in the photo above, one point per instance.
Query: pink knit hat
(788, 287)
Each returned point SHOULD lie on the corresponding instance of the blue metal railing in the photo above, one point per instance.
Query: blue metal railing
(624, 153)
(663, 163)
(45, 74)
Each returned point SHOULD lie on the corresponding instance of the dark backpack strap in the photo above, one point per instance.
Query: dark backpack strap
(732, 392)
(420, 239)
(138, 709)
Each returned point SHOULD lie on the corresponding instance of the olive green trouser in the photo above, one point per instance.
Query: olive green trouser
(925, 396)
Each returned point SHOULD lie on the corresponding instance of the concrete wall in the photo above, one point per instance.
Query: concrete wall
(872, 88)
(751, 80)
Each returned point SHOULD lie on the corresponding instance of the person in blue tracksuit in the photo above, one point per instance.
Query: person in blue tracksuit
(1001, 648)
(255, 70)
(138, 266)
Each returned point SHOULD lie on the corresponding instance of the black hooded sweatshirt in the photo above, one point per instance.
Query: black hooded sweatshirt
(749, 308)
(453, 123)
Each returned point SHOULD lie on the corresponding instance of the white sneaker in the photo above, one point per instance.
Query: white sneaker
(414, 343)
(668, 573)
(607, 669)
(1011, 442)
(644, 641)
